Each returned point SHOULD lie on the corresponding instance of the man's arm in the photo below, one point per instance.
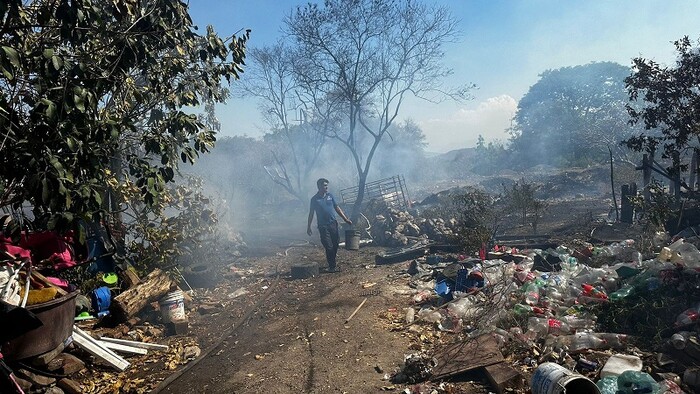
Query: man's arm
(311, 218)
(342, 214)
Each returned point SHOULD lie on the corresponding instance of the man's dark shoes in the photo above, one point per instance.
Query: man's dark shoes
(333, 269)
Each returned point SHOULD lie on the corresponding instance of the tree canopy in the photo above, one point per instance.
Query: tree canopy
(669, 103)
(94, 88)
(572, 115)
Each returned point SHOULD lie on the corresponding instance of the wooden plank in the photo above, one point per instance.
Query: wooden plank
(465, 356)
(117, 347)
(90, 345)
(142, 345)
(42, 279)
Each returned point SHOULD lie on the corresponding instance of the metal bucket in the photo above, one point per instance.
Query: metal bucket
(551, 378)
(352, 239)
(57, 318)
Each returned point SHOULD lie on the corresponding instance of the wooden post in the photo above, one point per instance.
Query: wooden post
(693, 170)
(627, 212)
(646, 174)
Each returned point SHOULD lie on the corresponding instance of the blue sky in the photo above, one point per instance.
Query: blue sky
(505, 45)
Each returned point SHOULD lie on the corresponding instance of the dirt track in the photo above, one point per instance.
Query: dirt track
(298, 341)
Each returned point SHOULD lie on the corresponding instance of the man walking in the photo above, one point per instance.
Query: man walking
(324, 206)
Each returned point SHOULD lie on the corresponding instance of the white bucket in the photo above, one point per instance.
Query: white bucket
(172, 306)
(551, 378)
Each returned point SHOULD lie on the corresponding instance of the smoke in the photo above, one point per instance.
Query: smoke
(490, 118)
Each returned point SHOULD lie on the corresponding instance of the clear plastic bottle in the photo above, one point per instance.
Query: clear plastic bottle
(586, 340)
(578, 323)
(613, 340)
(543, 325)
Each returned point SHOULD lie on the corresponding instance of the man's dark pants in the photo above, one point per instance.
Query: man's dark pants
(330, 240)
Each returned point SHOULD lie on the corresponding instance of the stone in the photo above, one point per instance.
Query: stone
(178, 327)
(43, 360)
(70, 386)
(35, 379)
(54, 390)
(24, 384)
(71, 364)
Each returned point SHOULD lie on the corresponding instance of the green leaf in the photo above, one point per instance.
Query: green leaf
(12, 55)
(79, 103)
(44, 190)
(57, 62)
(48, 53)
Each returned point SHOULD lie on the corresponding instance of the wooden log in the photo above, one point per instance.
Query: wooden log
(152, 288)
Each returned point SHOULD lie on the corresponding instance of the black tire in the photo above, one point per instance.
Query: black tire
(304, 270)
(200, 275)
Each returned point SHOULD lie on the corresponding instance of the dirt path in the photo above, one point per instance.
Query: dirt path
(298, 342)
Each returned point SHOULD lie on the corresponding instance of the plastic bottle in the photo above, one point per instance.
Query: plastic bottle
(579, 341)
(622, 293)
(576, 322)
(614, 341)
(689, 316)
(586, 340)
(543, 325)
(410, 315)
(524, 309)
(532, 293)
(590, 291)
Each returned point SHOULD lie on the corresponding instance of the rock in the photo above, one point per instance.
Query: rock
(208, 309)
(24, 384)
(54, 390)
(178, 327)
(70, 386)
(35, 379)
(71, 364)
(44, 359)
(191, 352)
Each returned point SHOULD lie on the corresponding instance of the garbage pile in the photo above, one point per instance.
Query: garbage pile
(567, 320)
(394, 228)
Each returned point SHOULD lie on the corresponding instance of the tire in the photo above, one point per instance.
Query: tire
(200, 275)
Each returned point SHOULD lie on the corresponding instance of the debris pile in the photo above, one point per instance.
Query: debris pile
(629, 324)
(394, 228)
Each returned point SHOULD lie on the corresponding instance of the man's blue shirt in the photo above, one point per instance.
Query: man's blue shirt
(324, 206)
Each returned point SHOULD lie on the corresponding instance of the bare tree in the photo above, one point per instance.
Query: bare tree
(296, 140)
(364, 57)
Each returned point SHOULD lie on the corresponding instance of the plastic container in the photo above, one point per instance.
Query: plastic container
(172, 306)
(551, 378)
(101, 299)
(619, 363)
(352, 239)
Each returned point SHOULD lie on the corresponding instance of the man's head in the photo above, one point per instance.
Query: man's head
(322, 184)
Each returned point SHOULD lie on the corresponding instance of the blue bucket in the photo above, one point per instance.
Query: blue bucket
(101, 299)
